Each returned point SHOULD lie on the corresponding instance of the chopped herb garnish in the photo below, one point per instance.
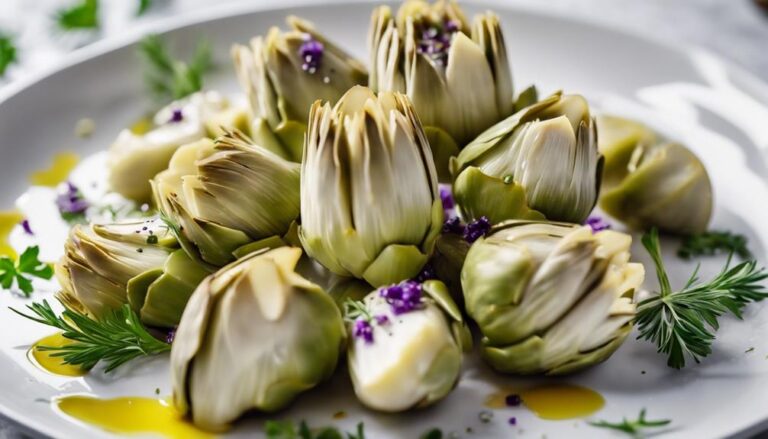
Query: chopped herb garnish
(20, 271)
(116, 339)
(71, 203)
(682, 323)
(7, 53)
(144, 6)
(84, 15)
(287, 430)
(632, 427)
(152, 239)
(434, 433)
(168, 78)
(713, 242)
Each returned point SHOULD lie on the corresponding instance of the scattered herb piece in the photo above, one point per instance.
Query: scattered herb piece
(362, 319)
(513, 400)
(157, 390)
(749, 350)
(634, 428)
(7, 53)
(170, 79)
(512, 421)
(84, 15)
(144, 6)
(485, 416)
(434, 433)
(116, 339)
(682, 323)
(713, 242)
(29, 265)
(287, 430)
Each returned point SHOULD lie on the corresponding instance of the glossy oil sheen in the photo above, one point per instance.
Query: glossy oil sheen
(131, 415)
(562, 401)
(47, 362)
(8, 220)
(63, 164)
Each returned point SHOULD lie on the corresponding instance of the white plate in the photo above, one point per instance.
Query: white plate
(687, 94)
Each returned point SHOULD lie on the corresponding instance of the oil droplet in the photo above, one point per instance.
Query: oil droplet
(55, 365)
(131, 415)
(562, 401)
(8, 220)
(63, 164)
(142, 126)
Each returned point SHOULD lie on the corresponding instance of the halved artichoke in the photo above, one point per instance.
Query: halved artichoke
(403, 358)
(134, 159)
(253, 337)
(550, 298)
(227, 198)
(283, 74)
(652, 184)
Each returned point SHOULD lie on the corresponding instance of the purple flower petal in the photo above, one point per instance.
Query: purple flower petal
(597, 224)
(311, 54)
(177, 115)
(364, 330)
(477, 229)
(70, 200)
(26, 227)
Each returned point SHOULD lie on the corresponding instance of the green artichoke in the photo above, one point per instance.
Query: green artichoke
(458, 78)
(407, 348)
(254, 336)
(283, 74)
(369, 201)
(541, 162)
(134, 159)
(550, 298)
(651, 184)
(225, 198)
(136, 262)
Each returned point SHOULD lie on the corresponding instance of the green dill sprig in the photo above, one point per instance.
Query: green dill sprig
(713, 242)
(117, 338)
(682, 323)
(168, 78)
(356, 309)
(20, 271)
(287, 430)
(7, 53)
(84, 15)
(632, 427)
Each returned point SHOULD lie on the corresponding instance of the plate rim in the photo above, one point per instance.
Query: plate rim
(746, 79)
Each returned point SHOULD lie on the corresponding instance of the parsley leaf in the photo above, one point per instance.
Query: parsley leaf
(170, 79)
(632, 427)
(287, 430)
(7, 53)
(713, 242)
(84, 15)
(27, 265)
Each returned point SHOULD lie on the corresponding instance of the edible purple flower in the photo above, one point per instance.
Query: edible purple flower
(477, 229)
(427, 273)
(381, 319)
(70, 200)
(513, 421)
(170, 336)
(177, 115)
(311, 53)
(597, 224)
(26, 227)
(435, 41)
(403, 297)
(364, 330)
(453, 225)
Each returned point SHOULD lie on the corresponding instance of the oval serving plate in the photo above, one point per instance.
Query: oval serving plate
(687, 94)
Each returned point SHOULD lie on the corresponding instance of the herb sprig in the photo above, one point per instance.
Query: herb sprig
(632, 427)
(20, 271)
(116, 339)
(7, 53)
(144, 6)
(84, 15)
(712, 242)
(682, 323)
(287, 430)
(168, 78)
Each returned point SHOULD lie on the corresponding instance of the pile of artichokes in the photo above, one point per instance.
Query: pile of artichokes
(325, 178)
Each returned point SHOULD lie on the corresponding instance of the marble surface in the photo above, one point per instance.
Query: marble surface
(737, 30)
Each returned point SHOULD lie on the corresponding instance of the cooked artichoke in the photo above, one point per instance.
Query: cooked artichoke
(550, 298)
(369, 201)
(407, 351)
(254, 336)
(283, 74)
(458, 79)
(136, 262)
(227, 196)
(651, 184)
(135, 158)
(540, 162)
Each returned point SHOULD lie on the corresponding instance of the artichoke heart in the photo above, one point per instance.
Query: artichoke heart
(541, 162)
(283, 74)
(369, 198)
(402, 360)
(254, 336)
(457, 76)
(134, 159)
(222, 196)
(550, 298)
(649, 183)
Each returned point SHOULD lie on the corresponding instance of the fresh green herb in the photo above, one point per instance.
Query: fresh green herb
(152, 239)
(7, 53)
(682, 323)
(434, 433)
(713, 242)
(73, 218)
(84, 15)
(356, 309)
(633, 428)
(169, 79)
(116, 339)
(144, 6)
(287, 430)
(27, 265)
